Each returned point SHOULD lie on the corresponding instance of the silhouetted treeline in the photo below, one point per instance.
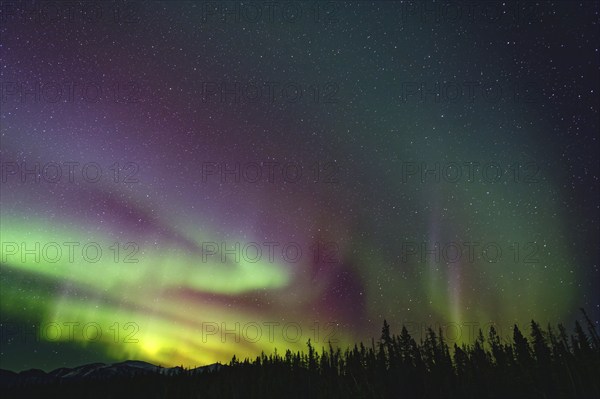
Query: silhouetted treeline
(547, 363)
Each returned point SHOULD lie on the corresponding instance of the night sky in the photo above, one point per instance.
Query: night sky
(264, 174)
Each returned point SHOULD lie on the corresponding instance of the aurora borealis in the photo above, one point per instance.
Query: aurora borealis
(180, 177)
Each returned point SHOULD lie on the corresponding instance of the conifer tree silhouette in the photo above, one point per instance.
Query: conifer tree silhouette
(552, 364)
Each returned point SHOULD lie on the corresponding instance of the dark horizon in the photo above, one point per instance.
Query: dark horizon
(549, 363)
(419, 338)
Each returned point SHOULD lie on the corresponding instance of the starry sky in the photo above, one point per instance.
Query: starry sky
(183, 181)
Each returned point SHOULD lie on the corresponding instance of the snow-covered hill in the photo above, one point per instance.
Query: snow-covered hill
(97, 371)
